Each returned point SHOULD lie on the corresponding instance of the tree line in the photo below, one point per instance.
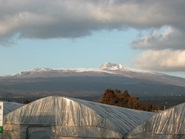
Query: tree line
(124, 99)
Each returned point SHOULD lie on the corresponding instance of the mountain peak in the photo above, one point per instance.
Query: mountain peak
(113, 66)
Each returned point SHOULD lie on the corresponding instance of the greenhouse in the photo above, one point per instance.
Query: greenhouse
(63, 118)
(10, 106)
(168, 124)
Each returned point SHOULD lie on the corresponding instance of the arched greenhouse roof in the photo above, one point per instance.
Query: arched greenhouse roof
(10, 106)
(70, 117)
(166, 124)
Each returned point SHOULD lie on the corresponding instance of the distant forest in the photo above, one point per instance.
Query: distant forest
(124, 99)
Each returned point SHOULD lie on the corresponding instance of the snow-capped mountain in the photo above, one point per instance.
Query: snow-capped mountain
(106, 69)
(89, 82)
(110, 68)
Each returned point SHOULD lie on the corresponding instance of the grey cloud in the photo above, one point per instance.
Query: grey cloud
(170, 38)
(76, 18)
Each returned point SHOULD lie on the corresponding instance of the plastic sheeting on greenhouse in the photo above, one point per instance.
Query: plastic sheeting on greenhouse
(60, 117)
(168, 124)
(10, 106)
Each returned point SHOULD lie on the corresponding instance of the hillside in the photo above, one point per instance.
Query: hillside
(89, 83)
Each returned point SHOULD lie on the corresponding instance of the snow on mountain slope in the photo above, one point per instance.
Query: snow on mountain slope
(47, 70)
(113, 66)
(107, 69)
(122, 70)
(27, 72)
(110, 68)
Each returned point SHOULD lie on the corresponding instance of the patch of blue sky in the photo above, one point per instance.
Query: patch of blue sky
(87, 52)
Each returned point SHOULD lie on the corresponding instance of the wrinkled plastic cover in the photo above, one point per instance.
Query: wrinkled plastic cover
(168, 124)
(10, 106)
(69, 117)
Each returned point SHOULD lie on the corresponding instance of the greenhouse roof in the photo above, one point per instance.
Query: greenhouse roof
(166, 124)
(79, 117)
(10, 106)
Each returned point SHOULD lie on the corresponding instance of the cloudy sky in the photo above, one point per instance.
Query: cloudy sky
(142, 34)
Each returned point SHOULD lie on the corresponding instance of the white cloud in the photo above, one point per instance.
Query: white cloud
(164, 50)
(162, 60)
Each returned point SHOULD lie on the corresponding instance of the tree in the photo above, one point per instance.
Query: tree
(25, 101)
(117, 98)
